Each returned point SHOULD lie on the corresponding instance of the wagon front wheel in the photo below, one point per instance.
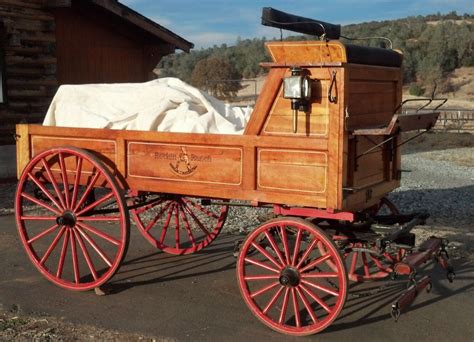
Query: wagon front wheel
(72, 218)
(287, 282)
(177, 224)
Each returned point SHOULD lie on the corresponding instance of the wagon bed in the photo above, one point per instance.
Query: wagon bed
(324, 155)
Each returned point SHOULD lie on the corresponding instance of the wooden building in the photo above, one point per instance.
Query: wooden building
(46, 43)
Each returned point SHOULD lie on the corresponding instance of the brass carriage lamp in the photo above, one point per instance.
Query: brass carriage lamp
(297, 88)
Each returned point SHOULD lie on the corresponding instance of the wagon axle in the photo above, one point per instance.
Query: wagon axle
(67, 219)
(290, 277)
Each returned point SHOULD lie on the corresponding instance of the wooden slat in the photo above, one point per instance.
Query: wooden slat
(6, 12)
(22, 4)
(28, 61)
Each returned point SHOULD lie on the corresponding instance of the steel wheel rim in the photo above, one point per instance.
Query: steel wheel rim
(78, 257)
(182, 221)
(299, 269)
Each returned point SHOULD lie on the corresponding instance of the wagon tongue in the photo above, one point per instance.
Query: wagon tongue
(433, 248)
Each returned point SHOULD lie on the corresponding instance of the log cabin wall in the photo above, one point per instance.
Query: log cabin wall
(29, 63)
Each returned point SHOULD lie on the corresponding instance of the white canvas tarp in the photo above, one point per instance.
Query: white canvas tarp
(165, 105)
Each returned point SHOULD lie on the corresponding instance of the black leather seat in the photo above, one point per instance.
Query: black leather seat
(373, 56)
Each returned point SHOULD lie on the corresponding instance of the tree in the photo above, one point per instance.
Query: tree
(217, 75)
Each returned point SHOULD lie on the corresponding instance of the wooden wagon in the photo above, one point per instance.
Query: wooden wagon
(321, 147)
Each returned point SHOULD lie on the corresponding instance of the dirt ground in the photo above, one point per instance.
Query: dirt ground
(20, 327)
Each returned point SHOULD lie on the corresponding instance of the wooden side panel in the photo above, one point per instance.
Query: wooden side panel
(105, 148)
(314, 123)
(311, 52)
(372, 94)
(185, 163)
(292, 171)
(22, 148)
(370, 167)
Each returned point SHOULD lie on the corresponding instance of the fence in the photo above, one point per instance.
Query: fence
(460, 120)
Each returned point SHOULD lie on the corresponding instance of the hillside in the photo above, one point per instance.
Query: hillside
(434, 47)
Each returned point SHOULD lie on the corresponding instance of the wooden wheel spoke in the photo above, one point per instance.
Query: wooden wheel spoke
(176, 227)
(76, 181)
(53, 181)
(99, 233)
(296, 308)
(353, 262)
(200, 208)
(87, 191)
(196, 219)
(52, 246)
(157, 217)
(167, 223)
(40, 203)
(38, 218)
(95, 203)
(319, 275)
(45, 191)
(365, 264)
(320, 287)
(42, 234)
(307, 252)
(262, 277)
(316, 298)
(284, 306)
(297, 246)
(267, 255)
(262, 265)
(273, 299)
(316, 262)
(149, 206)
(99, 218)
(379, 264)
(83, 247)
(75, 262)
(264, 289)
(284, 239)
(62, 166)
(275, 247)
(306, 304)
(91, 242)
(187, 226)
(59, 271)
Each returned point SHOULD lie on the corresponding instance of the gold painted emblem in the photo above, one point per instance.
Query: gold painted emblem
(183, 166)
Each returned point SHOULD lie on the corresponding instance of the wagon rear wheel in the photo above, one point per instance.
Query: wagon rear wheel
(72, 218)
(286, 281)
(177, 224)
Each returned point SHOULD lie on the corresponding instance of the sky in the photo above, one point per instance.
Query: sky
(213, 22)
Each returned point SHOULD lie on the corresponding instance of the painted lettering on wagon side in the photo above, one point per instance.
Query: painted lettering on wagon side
(183, 162)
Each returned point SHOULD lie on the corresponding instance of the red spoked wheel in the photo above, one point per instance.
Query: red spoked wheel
(286, 281)
(386, 207)
(177, 224)
(72, 218)
(365, 262)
